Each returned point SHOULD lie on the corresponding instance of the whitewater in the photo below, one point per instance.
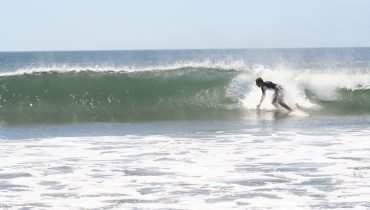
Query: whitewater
(179, 129)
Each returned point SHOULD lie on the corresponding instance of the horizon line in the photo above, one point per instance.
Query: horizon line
(177, 49)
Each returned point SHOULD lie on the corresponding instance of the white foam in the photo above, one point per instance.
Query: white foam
(211, 170)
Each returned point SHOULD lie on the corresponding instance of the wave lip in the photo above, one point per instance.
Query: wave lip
(205, 64)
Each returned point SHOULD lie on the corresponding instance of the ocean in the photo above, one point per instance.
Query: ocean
(179, 129)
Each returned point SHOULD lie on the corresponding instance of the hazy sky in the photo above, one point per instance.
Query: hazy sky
(182, 24)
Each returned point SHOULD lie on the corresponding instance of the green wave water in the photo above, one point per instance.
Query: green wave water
(114, 96)
(347, 102)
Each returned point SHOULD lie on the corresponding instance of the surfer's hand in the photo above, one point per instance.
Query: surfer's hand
(258, 106)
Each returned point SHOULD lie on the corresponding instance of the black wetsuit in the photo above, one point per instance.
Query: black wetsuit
(269, 85)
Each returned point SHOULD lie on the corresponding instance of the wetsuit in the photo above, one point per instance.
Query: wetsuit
(278, 95)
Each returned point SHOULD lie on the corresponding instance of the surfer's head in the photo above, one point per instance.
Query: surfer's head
(259, 81)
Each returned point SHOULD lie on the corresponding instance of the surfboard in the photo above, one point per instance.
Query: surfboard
(298, 113)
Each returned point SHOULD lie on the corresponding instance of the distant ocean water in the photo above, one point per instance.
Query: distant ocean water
(178, 129)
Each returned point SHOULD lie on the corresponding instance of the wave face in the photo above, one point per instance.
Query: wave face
(114, 96)
(152, 86)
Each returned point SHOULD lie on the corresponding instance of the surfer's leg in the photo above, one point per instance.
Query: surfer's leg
(285, 106)
(275, 99)
(280, 98)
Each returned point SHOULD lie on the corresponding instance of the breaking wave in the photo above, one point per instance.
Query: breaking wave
(172, 93)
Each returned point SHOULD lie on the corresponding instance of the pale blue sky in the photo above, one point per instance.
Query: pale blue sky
(182, 24)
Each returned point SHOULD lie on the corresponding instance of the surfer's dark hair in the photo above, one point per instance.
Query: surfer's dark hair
(259, 80)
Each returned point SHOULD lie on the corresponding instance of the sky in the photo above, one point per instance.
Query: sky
(42, 25)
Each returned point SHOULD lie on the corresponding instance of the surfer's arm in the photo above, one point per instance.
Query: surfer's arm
(262, 98)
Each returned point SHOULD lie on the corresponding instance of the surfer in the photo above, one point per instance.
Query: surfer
(278, 94)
